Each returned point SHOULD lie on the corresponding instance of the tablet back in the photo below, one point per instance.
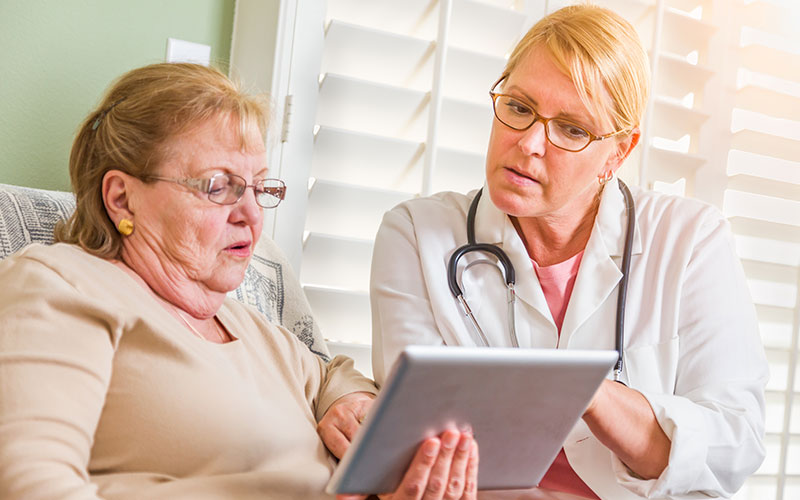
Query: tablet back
(519, 403)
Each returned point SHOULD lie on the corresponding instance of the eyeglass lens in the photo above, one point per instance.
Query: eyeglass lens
(520, 116)
(227, 189)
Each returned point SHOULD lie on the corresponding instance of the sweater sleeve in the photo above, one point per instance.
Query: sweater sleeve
(339, 378)
(56, 351)
(319, 383)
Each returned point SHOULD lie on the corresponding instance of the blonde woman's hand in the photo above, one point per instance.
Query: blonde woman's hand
(443, 468)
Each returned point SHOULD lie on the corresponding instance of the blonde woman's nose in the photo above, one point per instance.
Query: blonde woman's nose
(533, 140)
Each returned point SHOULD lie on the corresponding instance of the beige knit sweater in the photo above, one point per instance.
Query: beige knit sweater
(104, 394)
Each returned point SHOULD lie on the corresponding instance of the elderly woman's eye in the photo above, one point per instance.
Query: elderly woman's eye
(216, 188)
(218, 185)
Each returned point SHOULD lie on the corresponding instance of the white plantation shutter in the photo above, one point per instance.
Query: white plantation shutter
(401, 109)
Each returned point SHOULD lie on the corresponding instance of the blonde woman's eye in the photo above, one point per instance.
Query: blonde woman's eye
(573, 131)
(517, 107)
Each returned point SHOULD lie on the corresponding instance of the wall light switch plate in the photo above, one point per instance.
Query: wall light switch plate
(183, 51)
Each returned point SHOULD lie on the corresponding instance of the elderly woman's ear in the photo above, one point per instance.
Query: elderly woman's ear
(116, 189)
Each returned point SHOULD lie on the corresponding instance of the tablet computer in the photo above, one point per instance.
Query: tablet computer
(519, 403)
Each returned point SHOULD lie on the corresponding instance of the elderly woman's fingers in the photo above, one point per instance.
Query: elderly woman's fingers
(334, 440)
(342, 420)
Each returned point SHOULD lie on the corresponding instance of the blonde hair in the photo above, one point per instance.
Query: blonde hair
(131, 131)
(601, 52)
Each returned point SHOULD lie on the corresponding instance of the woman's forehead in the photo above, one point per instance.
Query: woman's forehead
(541, 71)
(214, 144)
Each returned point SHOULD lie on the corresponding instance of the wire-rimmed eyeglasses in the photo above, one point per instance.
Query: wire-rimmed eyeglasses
(517, 114)
(227, 189)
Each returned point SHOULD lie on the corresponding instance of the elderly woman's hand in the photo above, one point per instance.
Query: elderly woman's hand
(342, 420)
(443, 468)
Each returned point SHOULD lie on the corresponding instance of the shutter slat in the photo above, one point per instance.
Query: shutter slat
(765, 187)
(465, 125)
(368, 107)
(360, 52)
(343, 313)
(367, 160)
(336, 262)
(358, 210)
(672, 119)
(417, 18)
(769, 102)
(484, 28)
(469, 75)
(766, 144)
(458, 171)
(771, 61)
(682, 33)
(678, 77)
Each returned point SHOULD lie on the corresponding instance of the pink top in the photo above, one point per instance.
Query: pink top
(557, 282)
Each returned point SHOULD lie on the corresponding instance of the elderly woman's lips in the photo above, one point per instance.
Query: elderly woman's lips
(515, 177)
(240, 249)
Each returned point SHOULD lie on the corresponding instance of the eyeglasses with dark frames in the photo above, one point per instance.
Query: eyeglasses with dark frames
(227, 189)
(517, 114)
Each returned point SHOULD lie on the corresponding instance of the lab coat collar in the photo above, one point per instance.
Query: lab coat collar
(611, 221)
(598, 273)
(600, 269)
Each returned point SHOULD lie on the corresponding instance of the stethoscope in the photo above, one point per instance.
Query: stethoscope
(508, 273)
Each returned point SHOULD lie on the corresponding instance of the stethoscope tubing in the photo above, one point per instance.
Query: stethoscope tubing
(510, 276)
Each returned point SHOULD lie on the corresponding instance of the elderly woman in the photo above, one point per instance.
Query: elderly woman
(687, 419)
(125, 372)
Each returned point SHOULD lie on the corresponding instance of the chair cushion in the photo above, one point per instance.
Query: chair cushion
(29, 215)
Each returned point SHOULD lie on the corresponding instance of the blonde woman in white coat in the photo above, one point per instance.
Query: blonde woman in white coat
(688, 419)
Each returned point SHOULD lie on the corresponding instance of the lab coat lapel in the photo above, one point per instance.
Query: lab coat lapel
(599, 272)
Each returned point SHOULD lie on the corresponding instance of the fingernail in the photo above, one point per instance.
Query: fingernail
(465, 442)
(431, 447)
(450, 439)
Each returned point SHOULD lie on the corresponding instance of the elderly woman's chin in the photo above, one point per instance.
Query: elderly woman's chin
(229, 275)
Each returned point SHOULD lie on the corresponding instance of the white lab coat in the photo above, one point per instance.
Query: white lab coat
(692, 346)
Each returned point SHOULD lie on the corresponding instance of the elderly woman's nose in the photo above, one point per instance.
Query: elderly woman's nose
(247, 209)
(533, 140)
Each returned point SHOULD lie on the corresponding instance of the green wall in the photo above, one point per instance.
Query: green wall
(58, 56)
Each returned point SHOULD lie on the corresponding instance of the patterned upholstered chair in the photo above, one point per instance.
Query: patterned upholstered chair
(29, 215)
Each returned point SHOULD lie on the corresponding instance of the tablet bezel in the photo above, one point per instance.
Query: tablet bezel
(535, 397)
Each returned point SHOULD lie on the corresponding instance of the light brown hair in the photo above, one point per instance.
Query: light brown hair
(601, 52)
(131, 131)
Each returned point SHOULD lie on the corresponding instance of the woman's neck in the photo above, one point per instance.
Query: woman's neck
(172, 286)
(208, 328)
(554, 238)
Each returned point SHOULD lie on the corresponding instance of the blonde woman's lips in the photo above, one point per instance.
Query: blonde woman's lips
(516, 177)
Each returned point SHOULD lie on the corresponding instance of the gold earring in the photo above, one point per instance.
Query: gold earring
(125, 227)
(605, 177)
